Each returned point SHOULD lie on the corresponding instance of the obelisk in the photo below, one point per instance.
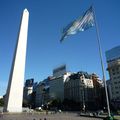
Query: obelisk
(14, 94)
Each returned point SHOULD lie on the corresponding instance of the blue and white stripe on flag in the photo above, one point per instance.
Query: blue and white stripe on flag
(81, 24)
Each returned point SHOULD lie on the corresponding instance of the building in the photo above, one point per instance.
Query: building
(41, 91)
(56, 83)
(61, 70)
(79, 88)
(108, 82)
(113, 61)
(39, 94)
(113, 54)
(28, 90)
(99, 92)
(57, 86)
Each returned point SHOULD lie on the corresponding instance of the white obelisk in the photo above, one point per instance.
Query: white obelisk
(14, 94)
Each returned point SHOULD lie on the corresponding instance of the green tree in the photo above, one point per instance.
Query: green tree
(1, 102)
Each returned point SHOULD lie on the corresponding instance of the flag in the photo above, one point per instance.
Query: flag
(81, 24)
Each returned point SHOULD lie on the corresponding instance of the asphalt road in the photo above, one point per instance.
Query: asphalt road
(36, 116)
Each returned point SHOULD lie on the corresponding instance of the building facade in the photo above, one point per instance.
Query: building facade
(28, 89)
(57, 87)
(99, 92)
(71, 89)
(79, 88)
(108, 82)
(41, 91)
(113, 61)
(39, 95)
(59, 71)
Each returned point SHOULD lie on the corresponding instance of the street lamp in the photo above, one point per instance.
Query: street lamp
(83, 93)
(83, 96)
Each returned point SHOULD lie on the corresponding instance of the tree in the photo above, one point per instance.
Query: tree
(55, 103)
(1, 102)
(25, 103)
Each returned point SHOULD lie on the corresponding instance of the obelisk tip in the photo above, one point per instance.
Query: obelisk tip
(25, 10)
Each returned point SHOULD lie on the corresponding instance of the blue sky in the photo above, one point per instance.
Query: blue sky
(44, 51)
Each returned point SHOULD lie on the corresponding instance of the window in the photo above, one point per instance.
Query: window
(115, 82)
(117, 72)
(113, 73)
(113, 70)
(116, 87)
(117, 69)
(117, 98)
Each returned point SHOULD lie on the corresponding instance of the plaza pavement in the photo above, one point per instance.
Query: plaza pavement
(37, 116)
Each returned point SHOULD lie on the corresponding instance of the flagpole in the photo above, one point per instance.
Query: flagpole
(101, 59)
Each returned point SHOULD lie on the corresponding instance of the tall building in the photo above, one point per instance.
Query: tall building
(78, 87)
(42, 92)
(113, 61)
(99, 92)
(29, 82)
(57, 86)
(56, 83)
(108, 82)
(61, 70)
(28, 90)
(39, 100)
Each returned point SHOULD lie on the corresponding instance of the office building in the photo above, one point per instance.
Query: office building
(56, 90)
(27, 93)
(42, 92)
(113, 61)
(78, 88)
(57, 87)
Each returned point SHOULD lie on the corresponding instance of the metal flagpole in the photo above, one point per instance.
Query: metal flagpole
(102, 65)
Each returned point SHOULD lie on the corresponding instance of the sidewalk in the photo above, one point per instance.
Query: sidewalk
(93, 114)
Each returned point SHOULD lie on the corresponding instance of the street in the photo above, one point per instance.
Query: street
(36, 116)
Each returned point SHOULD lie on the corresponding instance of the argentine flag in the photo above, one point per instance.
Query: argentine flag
(81, 24)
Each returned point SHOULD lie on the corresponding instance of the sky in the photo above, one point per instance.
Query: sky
(44, 50)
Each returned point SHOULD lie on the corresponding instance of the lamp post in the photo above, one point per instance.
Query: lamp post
(83, 93)
(83, 96)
